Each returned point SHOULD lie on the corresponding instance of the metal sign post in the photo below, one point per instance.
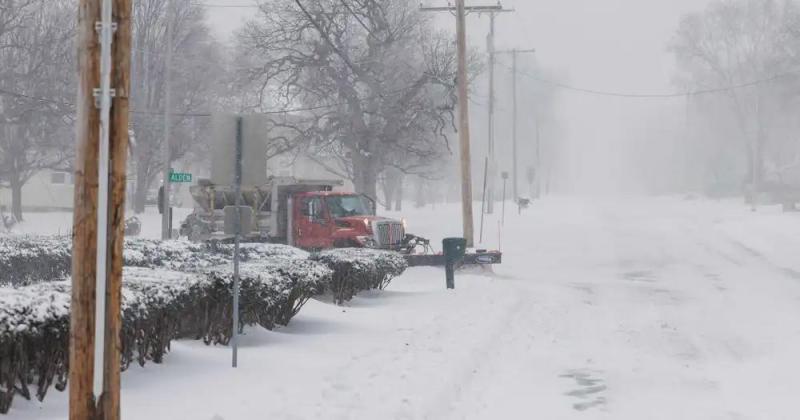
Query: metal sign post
(505, 181)
(166, 229)
(483, 203)
(238, 234)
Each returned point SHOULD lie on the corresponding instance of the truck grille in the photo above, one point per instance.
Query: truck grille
(389, 234)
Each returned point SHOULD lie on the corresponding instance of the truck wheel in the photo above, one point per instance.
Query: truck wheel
(345, 243)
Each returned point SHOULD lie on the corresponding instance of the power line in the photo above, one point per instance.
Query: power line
(226, 6)
(668, 95)
(196, 114)
(35, 98)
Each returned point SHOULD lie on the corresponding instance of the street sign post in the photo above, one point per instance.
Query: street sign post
(180, 177)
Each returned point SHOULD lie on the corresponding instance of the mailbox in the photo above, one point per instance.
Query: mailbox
(454, 251)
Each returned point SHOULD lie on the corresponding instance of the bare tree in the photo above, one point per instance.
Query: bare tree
(751, 44)
(197, 83)
(36, 88)
(376, 82)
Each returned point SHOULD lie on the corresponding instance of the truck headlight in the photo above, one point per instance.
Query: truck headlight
(366, 241)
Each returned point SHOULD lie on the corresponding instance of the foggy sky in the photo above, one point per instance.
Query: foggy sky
(610, 45)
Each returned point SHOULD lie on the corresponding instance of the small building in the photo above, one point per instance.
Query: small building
(47, 190)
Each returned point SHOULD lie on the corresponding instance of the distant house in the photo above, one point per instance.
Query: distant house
(46, 191)
(299, 165)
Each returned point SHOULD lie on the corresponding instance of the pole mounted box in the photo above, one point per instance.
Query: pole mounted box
(254, 150)
(231, 219)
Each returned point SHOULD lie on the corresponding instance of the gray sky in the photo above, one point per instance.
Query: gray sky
(611, 45)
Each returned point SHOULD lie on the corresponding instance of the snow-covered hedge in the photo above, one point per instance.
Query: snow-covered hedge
(170, 290)
(272, 293)
(35, 259)
(154, 302)
(158, 306)
(30, 259)
(357, 269)
(189, 256)
(34, 339)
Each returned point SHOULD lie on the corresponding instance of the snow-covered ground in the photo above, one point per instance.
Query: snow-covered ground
(603, 309)
(60, 223)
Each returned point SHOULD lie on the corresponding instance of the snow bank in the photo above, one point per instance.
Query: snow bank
(357, 269)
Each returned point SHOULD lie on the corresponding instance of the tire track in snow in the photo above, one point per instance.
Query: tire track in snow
(436, 356)
(506, 336)
(742, 253)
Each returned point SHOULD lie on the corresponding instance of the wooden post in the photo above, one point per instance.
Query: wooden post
(490, 137)
(462, 78)
(463, 125)
(84, 240)
(109, 407)
(83, 405)
(514, 154)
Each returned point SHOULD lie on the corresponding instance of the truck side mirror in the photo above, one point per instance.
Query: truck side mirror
(373, 207)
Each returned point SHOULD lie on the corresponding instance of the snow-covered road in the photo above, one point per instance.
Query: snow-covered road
(624, 309)
(651, 309)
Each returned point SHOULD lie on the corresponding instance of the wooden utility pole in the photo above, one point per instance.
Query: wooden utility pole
(490, 120)
(121, 81)
(514, 143)
(463, 125)
(96, 397)
(84, 240)
(490, 47)
(461, 11)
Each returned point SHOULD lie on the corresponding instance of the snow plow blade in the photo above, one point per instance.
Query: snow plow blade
(437, 260)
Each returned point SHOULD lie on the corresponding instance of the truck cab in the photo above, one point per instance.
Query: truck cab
(326, 219)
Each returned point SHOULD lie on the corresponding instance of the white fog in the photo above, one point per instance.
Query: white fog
(262, 209)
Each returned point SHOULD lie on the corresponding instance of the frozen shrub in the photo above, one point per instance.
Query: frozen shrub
(271, 293)
(34, 338)
(33, 259)
(153, 305)
(158, 306)
(170, 290)
(358, 269)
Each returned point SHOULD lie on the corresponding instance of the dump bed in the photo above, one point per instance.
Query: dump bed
(268, 202)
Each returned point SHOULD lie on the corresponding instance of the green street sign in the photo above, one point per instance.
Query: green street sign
(180, 177)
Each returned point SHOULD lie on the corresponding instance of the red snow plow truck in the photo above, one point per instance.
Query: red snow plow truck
(308, 214)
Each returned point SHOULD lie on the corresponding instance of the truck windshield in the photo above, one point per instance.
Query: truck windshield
(348, 205)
